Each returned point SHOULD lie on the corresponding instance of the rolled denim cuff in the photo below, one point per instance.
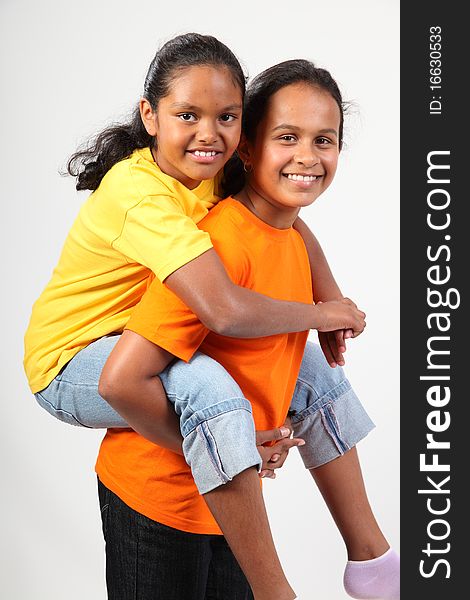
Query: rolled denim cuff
(222, 446)
(332, 426)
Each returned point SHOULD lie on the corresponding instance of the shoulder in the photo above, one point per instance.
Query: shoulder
(139, 175)
(135, 182)
(224, 222)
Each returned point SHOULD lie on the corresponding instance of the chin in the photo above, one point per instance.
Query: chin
(203, 174)
(300, 202)
(308, 202)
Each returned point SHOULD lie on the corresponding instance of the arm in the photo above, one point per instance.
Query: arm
(159, 234)
(129, 383)
(230, 310)
(324, 288)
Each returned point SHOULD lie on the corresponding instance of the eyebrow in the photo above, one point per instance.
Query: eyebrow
(187, 106)
(294, 128)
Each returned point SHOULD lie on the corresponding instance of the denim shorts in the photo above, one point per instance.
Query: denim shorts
(215, 419)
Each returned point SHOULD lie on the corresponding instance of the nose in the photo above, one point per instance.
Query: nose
(307, 156)
(207, 132)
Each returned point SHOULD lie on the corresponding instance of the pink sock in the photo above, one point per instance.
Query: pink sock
(376, 579)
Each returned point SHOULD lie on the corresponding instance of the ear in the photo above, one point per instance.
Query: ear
(148, 116)
(244, 150)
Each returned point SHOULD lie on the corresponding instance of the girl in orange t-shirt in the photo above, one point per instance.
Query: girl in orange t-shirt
(292, 138)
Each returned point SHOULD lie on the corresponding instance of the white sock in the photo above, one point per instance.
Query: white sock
(375, 579)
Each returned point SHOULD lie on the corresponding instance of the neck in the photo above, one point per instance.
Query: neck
(267, 210)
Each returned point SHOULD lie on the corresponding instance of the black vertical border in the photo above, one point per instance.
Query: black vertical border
(422, 132)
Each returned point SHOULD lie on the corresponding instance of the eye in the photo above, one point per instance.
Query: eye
(188, 117)
(226, 118)
(287, 138)
(323, 141)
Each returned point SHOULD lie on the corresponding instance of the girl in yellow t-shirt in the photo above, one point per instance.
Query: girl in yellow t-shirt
(152, 180)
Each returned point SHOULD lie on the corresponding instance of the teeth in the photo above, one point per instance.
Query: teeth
(295, 177)
(201, 153)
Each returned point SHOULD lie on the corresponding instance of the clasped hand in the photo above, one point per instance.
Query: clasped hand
(273, 446)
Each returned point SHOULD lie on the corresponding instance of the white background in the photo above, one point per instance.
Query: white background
(67, 69)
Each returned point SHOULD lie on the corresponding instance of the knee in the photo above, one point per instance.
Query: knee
(118, 388)
(109, 387)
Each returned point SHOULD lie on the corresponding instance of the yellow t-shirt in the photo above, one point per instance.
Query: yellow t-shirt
(138, 221)
(155, 481)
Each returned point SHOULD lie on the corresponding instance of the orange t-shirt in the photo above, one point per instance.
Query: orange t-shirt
(157, 482)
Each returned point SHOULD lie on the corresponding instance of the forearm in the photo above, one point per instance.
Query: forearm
(129, 383)
(228, 309)
(324, 285)
(146, 409)
(247, 314)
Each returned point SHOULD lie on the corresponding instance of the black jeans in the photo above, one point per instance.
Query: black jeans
(146, 560)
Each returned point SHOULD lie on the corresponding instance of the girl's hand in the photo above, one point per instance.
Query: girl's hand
(333, 344)
(274, 455)
(336, 315)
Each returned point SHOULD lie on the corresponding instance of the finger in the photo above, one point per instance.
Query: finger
(272, 455)
(265, 454)
(268, 452)
(359, 327)
(337, 356)
(271, 435)
(267, 474)
(348, 334)
(284, 453)
(340, 346)
(323, 339)
(351, 303)
(286, 445)
(280, 462)
(340, 339)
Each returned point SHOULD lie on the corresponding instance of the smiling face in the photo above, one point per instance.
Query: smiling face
(295, 152)
(197, 124)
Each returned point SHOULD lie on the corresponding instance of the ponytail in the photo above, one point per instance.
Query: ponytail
(233, 179)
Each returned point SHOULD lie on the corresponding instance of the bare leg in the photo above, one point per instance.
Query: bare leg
(239, 509)
(342, 487)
